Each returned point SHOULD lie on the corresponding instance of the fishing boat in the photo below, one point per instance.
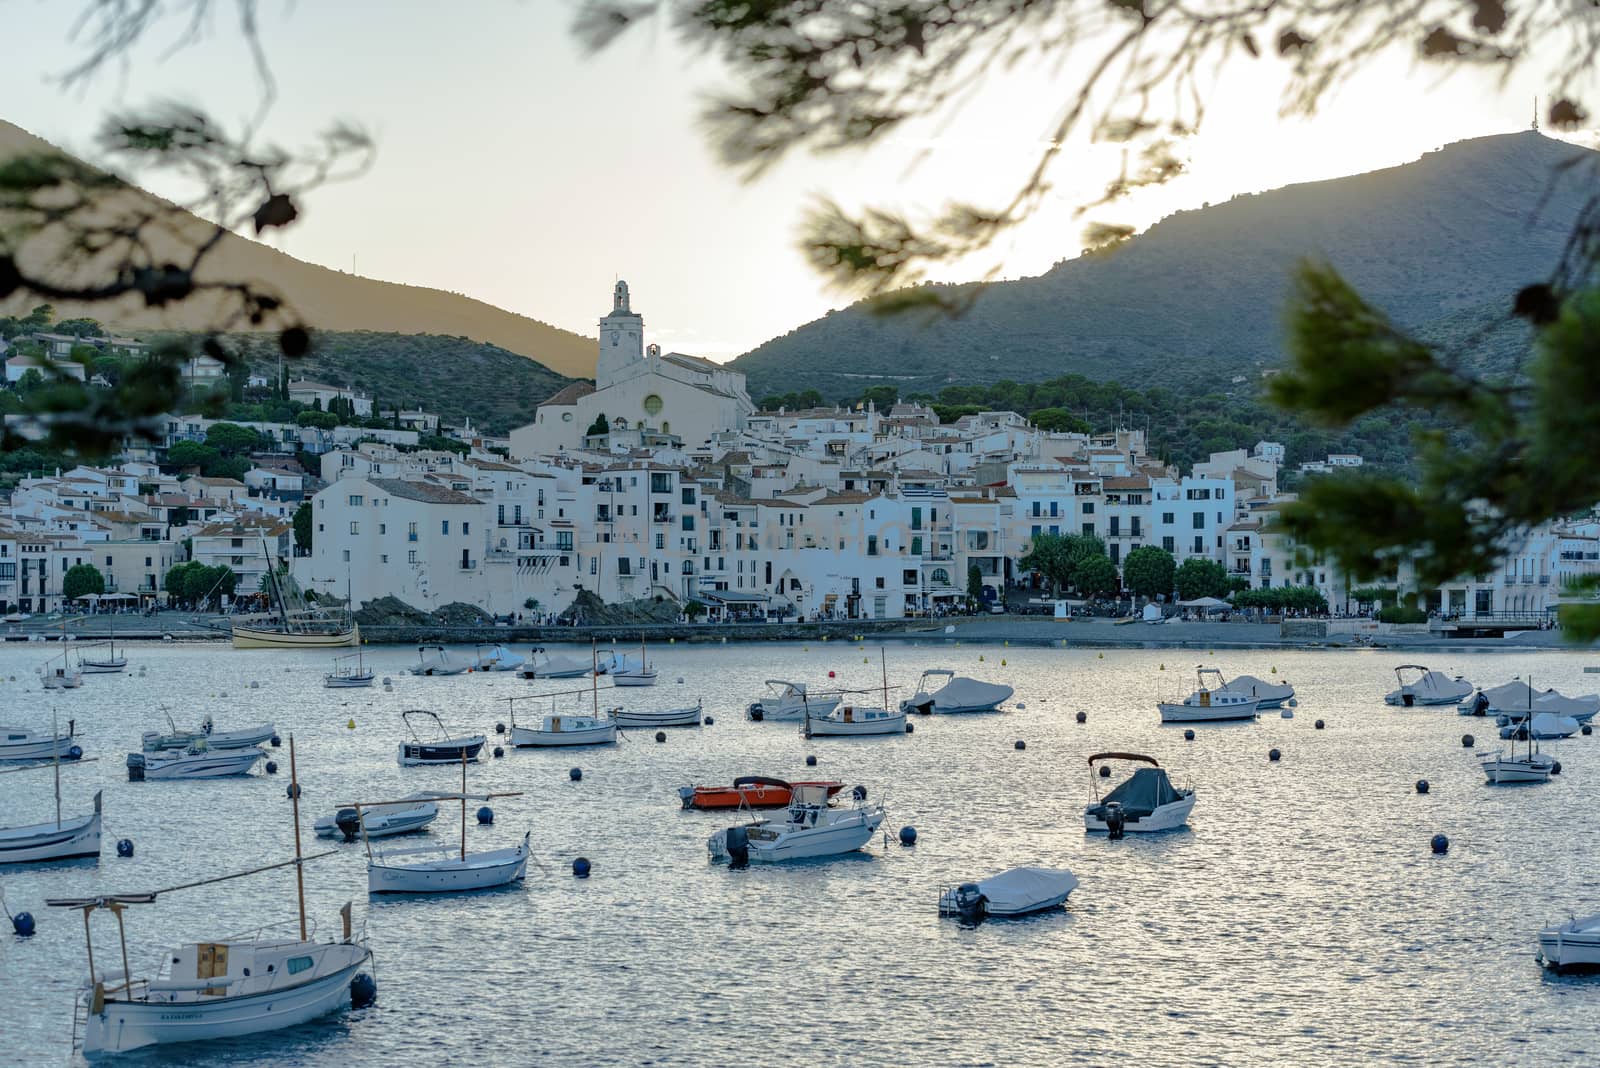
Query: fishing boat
(852, 719)
(1018, 892)
(1267, 694)
(198, 761)
(20, 743)
(943, 691)
(625, 672)
(218, 989)
(1419, 686)
(790, 701)
(451, 874)
(439, 747)
(435, 660)
(405, 816)
(562, 730)
(106, 663)
(1533, 766)
(1145, 802)
(60, 673)
(496, 658)
(553, 667)
(750, 791)
(292, 624)
(348, 675)
(1571, 946)
(63, 839)
(810, 828)
(155, 741)
(669, 717)
(1210, 703)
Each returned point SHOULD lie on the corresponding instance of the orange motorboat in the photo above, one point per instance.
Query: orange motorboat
(752, 791)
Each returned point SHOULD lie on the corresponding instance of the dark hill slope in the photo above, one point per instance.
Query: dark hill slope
(1201, 294)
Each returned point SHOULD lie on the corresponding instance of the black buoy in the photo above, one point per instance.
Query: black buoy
(1105, 771)
(1188, 735)
(485, 814)
(580, 867)
(911, 728)
(125, 847)
(859, 793)
(277, 743)
(499, 728)
(1587, 729)
(1440, 844)
(1319, 724)
(709, 721)
(499, 751)
(363, 991)
(75, 753)
(1082, 717)
(1555, 768)
(737, 842)
(1021, 744)
(908, 836)
(576, 774)
(1467, 741)
(22, 923)
(811, 761)
(272, 767)
(1273, 754)
(1422, 786)
(292, 790)
(661, 736)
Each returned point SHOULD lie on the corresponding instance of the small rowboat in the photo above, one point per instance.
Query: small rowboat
(752, 791)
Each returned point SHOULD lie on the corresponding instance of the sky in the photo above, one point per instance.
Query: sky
(515, 169)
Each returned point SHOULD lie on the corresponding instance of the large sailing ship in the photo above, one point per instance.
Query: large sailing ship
(292, 624)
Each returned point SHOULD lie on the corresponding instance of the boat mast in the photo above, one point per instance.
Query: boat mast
(55, 747)
(883, 662)
(299, 871)
(594, 675)
(463, 805)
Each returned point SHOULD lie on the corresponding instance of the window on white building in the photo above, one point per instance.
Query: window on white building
(354, 527)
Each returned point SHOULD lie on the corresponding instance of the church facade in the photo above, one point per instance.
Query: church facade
(639, 391)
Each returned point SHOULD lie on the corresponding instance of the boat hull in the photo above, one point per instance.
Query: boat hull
(412, 754)
(835, 729)
(633, 679)
(347, 682)
(30, 747)
(125, 1025)
(672, 717)
(1165, 818)
(197, 766)
(1180, 713)
(709, 798)
(102, 667)
(1505, 772)
(482, 872)
(840, 837)
(1571, 946)
(261, 638)
(530, 738)
(78, 837)
(778, 712)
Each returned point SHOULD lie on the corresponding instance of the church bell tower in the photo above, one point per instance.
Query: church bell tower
(621, 338)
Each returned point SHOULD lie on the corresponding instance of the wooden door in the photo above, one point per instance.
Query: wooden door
(211, 960)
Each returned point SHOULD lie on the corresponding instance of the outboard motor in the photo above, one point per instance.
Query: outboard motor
(136, 767)
(1408, 699)
(348, 820)
(756, 713)
(686, 795)
(737, 843)
(1114, 820)
(925, 708)
(1480, 704)
(971, 903)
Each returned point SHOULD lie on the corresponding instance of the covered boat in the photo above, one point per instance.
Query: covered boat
(790, 701)
(1211, 703)
(1571, 946)
(1544, 727)
(1017, 892)
(810, 828)
(942, 690)
(1145, 802)
(1419, 686)
(435, 660)
(544, 666)
(1267, 694)
(496, 658)
(439, 747)
(750, 791)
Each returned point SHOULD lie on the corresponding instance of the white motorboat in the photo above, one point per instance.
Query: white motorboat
(60, 673)
(154, 741)
(450, 874)
(440, 747)
(1267, 694)
(554, 667)
(435, 660)
(670, 717)
(790, 701)
(496, 658)
(1572, 945)
(1145, 802)
(942, 690)
(198, 761)
(810, 828)
(405, 816)
(1211, 703)
(20, 743)
(219, 989)
(106, 663)
(1419, 686)
(559, 729)
(349, 672)
(58, 839)
(1018, 892)
(626, 672)
(852, 719)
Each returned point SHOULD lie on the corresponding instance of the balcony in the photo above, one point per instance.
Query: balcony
(468, 564)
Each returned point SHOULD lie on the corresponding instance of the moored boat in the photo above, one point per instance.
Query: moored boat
(810, 828)
(790, 701)
(496, 658)
(440, 747)
(851, 720)
(102, 663)
(1145, 802)
(955, 694)
(61, 839)
(1210, 703)
(1419, 686)
(195, 762)
(1267, 694)
(1018, 892)
(20, 743)
(750, 791)
(405, 816)
(292, 624)
(435, 660)
(347, 675)
(1571, 946)
(668, 717)
(553, 667)
(60, 673)
(559, 729)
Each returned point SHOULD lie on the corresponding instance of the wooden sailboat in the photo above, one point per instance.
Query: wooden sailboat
(293, 625)
(559, 729)
(205, 991)
(108, 664)
(346, 675)
(63, 839)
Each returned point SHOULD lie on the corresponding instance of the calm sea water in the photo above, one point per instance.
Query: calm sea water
(1300, 919)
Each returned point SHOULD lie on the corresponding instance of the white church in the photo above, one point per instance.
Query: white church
(643, 395)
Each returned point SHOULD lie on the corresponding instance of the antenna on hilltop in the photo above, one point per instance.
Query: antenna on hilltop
(1536, 114)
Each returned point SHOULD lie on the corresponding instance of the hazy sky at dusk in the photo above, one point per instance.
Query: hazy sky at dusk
(515, 170)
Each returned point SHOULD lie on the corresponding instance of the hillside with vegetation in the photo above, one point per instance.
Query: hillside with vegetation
(1199, 298)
